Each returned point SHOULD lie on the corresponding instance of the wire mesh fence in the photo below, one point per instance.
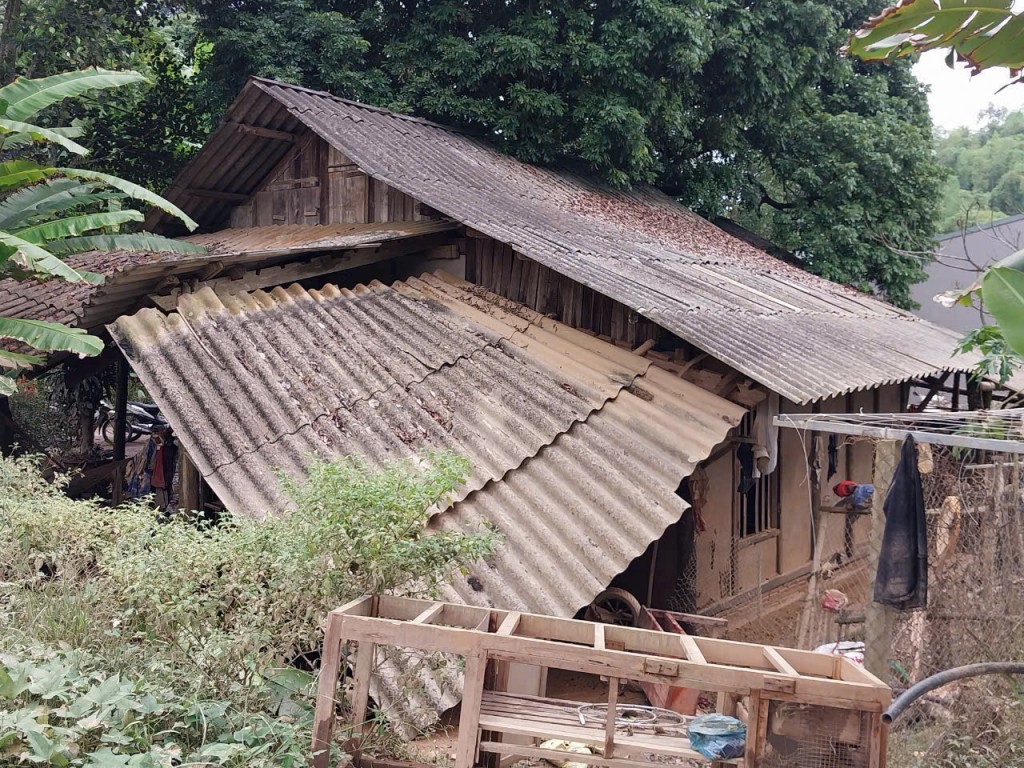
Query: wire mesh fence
(974, 504)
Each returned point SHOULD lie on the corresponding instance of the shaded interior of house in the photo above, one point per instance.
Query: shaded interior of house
(609, 362)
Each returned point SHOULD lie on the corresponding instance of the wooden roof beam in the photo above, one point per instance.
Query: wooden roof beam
(217, 194)
(265, 133)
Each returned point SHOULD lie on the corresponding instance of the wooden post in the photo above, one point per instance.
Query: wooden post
(361, 697)
(120, 408)
(878, 619)
(820, 523)
(7, 428)
(754, 706)
(469, 718)
(120, 430)
(190, 482)
(609, 722)
(327, 688)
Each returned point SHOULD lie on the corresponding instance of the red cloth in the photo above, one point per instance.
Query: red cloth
(844, 488)
(157, 481)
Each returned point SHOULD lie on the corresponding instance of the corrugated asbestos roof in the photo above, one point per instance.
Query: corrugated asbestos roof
(131, 276)
(800, 335)
(577, 445)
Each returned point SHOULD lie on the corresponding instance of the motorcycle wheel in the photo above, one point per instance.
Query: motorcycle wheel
(107, 430)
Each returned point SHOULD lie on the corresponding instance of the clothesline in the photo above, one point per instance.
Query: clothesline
(997, 430)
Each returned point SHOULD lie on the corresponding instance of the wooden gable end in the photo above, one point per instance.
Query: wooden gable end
(317, 184)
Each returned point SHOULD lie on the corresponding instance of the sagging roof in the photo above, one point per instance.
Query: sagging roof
(800, 335)
(257, 382)
(577, 446)
(131, 276)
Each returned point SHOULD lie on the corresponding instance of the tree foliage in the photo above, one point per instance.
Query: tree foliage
(743, 109)
(987, 165)
(146, 132)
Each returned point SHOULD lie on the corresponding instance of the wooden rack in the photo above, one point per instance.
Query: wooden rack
(748, 679)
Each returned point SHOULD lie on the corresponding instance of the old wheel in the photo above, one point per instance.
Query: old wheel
(617, 606)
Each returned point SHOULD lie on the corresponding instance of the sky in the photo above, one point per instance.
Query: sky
(956, 98)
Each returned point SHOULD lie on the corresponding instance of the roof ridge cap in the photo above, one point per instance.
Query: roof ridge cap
(262, 81)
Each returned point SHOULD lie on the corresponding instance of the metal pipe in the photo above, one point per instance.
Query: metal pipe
(916, 691)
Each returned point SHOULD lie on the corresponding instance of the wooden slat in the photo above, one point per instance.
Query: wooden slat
(510, 624)
(599, 636)
(776, 660)
(429, 614)
(692, 649)
(674, 746)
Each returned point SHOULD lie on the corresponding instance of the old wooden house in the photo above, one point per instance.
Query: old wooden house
(609, 361)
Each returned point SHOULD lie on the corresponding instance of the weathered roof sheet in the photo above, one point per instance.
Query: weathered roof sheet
(802, 336)
(131, 276)
(284, 239)
(256, 382)
(577, 445)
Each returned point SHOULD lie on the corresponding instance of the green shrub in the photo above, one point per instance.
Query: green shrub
(194, 613)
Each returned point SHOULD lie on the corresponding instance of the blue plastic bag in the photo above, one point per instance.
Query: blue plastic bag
(717, 737)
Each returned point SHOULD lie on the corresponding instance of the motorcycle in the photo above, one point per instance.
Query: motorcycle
(141, 419)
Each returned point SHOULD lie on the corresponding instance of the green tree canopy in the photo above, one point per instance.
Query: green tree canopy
(987, 172)
(735, 108)
(147, 132)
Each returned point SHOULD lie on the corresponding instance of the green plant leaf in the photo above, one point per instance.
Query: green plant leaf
(985, 33)
(8, 386)
(107, 758)
(1002, 291)
(132, 190)
(50, 337)
(37, 133)
(114, 242)
(31, 201)
(9, 687)
(16, 360)
(26, 97)
(42, 750)
(73, 226)
(18, 173)
(33, 258)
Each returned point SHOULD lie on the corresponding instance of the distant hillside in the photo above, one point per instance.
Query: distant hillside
(987, 165)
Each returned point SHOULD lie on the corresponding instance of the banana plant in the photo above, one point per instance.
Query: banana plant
(49, 211)
(982, 33)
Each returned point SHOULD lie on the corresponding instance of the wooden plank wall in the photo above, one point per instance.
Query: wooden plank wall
(316, 184)
(498, 268)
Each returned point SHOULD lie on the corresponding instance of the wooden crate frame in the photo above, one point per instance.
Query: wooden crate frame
(489, 639)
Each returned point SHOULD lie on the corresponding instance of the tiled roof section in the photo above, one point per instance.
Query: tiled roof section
(131, 276)
(577, 446)
(257, 382)
(802, 336)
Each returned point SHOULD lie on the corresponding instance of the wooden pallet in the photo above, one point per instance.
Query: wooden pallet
(747, 677)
